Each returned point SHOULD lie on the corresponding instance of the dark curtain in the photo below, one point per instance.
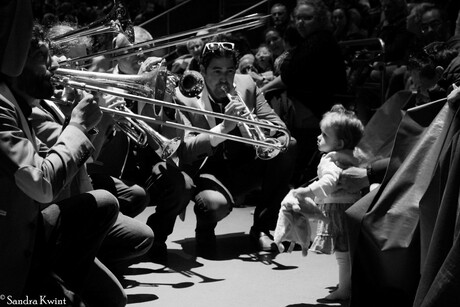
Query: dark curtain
(439, 227)
(384, 224)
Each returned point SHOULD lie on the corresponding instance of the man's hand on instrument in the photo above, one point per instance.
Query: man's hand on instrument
(149, 64)
(235, 108)
(86, 113)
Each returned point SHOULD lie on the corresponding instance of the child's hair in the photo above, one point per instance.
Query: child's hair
(346, 125)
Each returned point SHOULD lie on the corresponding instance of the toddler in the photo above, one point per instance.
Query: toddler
(341, 131)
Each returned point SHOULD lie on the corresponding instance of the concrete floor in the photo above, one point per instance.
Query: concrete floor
(239, 276)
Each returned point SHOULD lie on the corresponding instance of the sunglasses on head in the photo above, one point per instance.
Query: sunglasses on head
(209, 47)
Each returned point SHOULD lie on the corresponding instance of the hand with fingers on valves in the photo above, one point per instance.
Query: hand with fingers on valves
(254, 132)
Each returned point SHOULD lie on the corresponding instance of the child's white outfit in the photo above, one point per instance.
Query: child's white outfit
(332, 235)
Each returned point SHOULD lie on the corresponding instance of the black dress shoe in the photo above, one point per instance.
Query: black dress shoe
(206, 243)
(158, 253)
(263, 240)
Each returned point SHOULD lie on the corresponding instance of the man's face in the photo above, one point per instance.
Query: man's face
(220, 72)
(304, 17)
(129, 65)
(432, 27)
(279, 15)
(35, 79)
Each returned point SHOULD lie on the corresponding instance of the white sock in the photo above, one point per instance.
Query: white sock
(344, 289)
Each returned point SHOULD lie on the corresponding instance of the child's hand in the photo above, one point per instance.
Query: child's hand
(291, 202)
(310, 208)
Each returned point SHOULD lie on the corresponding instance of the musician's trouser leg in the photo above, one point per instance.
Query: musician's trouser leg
(75, 229)
(171, 191)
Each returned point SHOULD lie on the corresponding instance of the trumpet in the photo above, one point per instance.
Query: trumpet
(84, 80)
(254, 131)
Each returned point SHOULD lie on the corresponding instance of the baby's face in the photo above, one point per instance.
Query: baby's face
(327, 141)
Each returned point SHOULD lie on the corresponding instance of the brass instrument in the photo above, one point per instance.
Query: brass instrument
(97, 82)
(191, 83)
(254, 131)
(140, 132)
(142, 85)
(117, 20)
(250, 21)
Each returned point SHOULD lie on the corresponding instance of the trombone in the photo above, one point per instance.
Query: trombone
(81, 80)
(263, 153)
(246, 22)
(116, 21)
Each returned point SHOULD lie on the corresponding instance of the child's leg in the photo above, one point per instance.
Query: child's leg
(344, 289)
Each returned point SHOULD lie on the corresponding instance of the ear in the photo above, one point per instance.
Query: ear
(202, 70)
(439, 71)
(340, 144)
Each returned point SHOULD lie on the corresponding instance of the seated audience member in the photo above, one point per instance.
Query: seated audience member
(398, 41)
(41, 237)
(393, 30)
(432, 24)
(225, 170)
(194, 47)
(394, 33)
(264, 63)
(274, 40)
(346, 24)
(246, 64)
(313, 77)
(427, 68)
(432, 75)
(279, 17)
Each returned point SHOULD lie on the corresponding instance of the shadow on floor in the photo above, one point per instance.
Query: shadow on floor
(229, 246)
(236, 246)
(141, 298)
(337, 304)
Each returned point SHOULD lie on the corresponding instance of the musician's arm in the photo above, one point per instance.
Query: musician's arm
(195, 146)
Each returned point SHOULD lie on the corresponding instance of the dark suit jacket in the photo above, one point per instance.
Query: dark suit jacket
(47, 129)
(30, 174)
